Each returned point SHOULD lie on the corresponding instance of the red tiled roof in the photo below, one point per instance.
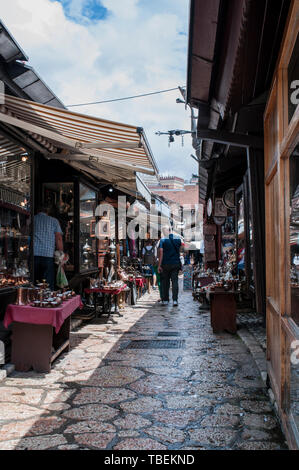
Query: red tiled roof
(189, 195)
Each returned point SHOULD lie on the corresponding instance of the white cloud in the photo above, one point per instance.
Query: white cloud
(125, 9)
(139, 47)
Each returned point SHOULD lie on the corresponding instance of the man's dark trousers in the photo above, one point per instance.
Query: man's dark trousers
(44, 269)
(170, 271)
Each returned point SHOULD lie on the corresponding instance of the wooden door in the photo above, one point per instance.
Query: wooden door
(273, 243)
(281, 125)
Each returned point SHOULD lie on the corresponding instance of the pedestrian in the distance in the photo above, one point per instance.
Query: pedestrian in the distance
(169, 265)
(149, 254)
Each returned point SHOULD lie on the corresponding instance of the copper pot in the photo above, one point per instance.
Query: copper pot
(22, 296)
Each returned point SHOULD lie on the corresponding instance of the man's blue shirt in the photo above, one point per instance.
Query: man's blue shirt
(45, 228)
(171, 250)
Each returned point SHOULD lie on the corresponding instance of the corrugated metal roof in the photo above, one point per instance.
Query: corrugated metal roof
(9, 48)
(28, 80)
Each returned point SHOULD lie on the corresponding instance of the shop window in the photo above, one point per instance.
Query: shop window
(293, 80)
(294, 387)
(294, 233)
(15, 192)
(240, 235)
(228, 235)
(59, 198)
(88, 248)
(251, 253)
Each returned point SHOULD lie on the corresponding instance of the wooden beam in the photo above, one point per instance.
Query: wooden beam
(102, 175)
(108, 145)
(231, 138)
(113, 173)
(95, 173)
(13, 139)
(105, 161)
(116, 161)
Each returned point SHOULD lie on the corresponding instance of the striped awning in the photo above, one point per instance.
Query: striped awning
(98, 145)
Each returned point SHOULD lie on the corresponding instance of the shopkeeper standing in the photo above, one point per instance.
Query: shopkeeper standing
(47, 235)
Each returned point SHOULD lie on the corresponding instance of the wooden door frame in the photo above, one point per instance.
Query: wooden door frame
(285, 140)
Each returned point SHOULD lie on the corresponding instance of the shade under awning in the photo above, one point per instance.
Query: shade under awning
(9, 148)
(81, 138)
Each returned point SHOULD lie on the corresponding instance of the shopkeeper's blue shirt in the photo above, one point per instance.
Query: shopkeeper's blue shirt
(45, 228)
(171, 253)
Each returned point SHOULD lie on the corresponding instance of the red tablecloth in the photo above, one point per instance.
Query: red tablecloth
(140, 281)
(42, 316)
(98, 290)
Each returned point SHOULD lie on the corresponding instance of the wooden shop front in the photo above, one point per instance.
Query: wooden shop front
(282, 230)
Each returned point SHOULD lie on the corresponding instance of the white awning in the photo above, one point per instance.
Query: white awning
(143, 190)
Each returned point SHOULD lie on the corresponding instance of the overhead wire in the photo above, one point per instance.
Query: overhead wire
(125, 98)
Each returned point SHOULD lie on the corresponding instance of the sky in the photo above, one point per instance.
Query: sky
(94, 50)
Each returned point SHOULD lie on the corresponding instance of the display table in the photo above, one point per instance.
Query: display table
(223, 311)
(39, 335)
(203, 281)
(110, 293)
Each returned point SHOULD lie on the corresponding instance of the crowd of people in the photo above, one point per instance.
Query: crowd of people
(165, 257)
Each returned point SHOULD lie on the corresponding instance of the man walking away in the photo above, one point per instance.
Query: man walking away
(169, 265)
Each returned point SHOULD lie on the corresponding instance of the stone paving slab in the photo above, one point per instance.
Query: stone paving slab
(207, 394)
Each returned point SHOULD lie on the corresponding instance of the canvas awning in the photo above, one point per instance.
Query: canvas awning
(105, 149)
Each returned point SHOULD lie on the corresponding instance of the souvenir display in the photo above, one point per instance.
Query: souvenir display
(14, 221)
(41, 296)
(87, 204)
(229, 198)
(59, 199)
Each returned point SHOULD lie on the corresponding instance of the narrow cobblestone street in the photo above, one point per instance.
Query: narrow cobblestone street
(196, 391)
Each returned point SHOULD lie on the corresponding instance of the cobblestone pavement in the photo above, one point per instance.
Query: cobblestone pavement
(198, 391)
(254, 323)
